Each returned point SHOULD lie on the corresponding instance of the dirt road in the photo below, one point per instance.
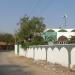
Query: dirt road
(14, 65)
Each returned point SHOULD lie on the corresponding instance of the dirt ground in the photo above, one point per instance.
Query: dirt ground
(42, 67)
(25, 66)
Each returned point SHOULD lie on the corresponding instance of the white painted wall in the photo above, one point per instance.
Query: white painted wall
(63, 57)
(15, 49)
(73, 57)
(50, 55)
(53, 55)
(29, 53)
(43, 55)
(40, 54)
(58, 56)
(21, 51)
(67, 34)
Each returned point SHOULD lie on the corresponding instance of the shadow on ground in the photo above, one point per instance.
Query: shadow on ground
(14, 70)
(5, 50)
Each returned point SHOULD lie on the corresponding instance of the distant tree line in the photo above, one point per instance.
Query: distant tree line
(7, 37)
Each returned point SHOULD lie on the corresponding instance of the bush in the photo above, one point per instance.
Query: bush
(72, 39)
(37, 40)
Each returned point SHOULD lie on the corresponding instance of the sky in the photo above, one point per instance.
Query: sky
(52, 11)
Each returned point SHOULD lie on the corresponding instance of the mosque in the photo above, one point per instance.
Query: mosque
(61, 36)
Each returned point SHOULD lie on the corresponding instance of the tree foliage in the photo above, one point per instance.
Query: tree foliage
(72, 39)
(9, 38)
(30, 30)
(6, 37)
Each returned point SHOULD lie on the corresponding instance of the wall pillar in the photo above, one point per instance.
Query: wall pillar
(46, 55)
(34, 53)
(18, 48)
(69, 59)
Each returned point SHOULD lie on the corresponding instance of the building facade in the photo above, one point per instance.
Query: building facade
(61, 36)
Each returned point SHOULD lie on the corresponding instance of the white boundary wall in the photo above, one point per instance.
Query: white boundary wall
(54, 55)
(15, 49)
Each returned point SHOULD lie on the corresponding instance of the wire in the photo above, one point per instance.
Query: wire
(34, 7)
(46, 7)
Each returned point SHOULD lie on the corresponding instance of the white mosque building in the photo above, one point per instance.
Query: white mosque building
(62, 35)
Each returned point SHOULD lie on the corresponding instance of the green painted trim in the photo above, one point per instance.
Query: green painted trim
(18, 49)
(73, 30)
(50, 30)
(62, 30)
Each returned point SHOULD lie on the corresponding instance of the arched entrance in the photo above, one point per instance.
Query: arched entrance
(62, 40)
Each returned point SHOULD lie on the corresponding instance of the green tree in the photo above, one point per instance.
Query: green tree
(2, 37)
(29, 29)
(72, 40)
(9, 38)
(6, 37)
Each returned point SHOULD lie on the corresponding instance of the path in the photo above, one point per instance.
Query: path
(14, 65)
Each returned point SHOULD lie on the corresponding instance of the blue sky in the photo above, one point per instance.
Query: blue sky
(52, 10)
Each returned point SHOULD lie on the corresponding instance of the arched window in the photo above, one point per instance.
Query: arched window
(63, 40)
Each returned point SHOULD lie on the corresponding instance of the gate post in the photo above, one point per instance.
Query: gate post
(46, 55)
(17, 48)
(69, 58)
